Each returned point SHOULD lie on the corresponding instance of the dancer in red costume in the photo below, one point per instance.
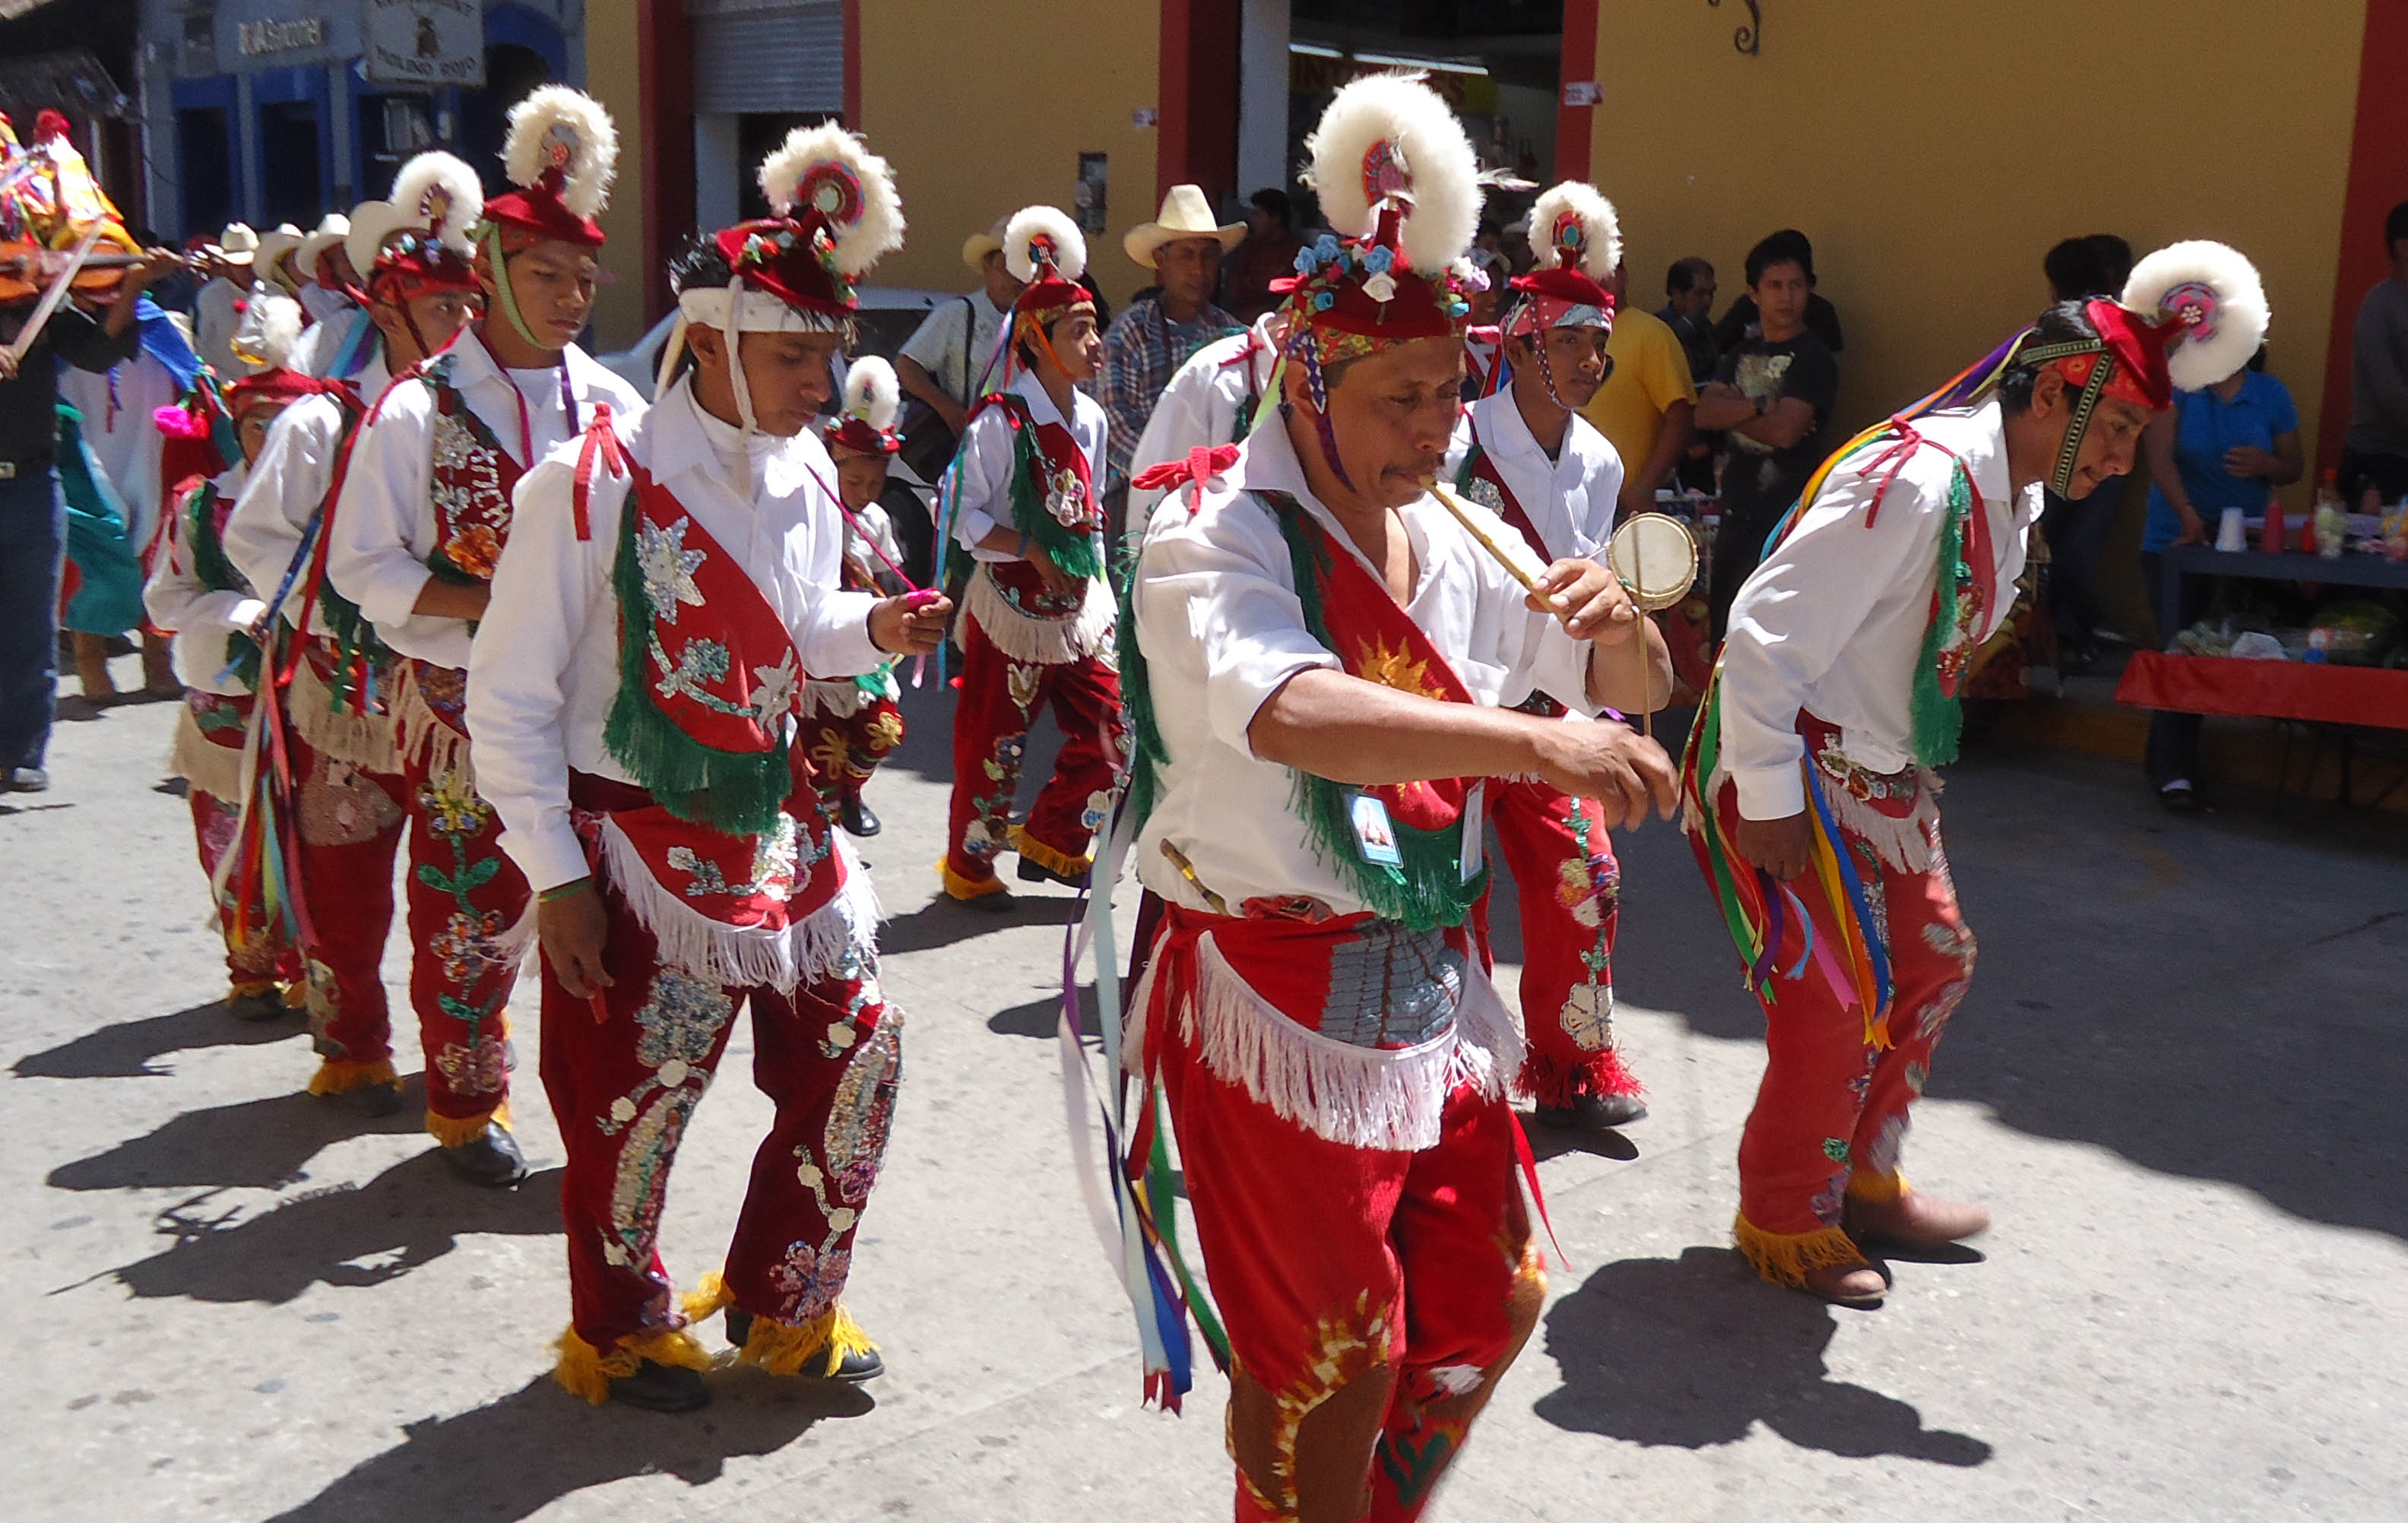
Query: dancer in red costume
(852, 723)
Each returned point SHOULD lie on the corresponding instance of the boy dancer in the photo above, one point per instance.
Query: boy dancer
(852, 725)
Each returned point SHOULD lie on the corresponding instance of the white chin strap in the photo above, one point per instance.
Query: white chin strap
(735, 309)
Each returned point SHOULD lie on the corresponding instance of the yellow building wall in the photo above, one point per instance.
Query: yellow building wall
(611, 77)
(1934, 151)
(986, 109)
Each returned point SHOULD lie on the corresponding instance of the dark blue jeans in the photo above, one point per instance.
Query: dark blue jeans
(33, 555)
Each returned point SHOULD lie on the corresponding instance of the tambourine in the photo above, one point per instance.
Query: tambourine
(1654, 558)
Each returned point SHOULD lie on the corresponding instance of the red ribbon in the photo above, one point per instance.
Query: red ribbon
(1202, 463)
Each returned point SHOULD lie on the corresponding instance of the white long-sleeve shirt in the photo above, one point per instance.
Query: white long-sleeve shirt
(117, 407)
(544, 670)
(1833, 620)
(326, 339)
(294, 470)
(982, 499)
(1570, 499)
(200, 619)
(1222, 629)
(384, 526)
(1201, 407)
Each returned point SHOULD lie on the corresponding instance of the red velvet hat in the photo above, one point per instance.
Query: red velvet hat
(560, 152)
(2191, 314)
(1585, 241)
(419, 240)
(872, 400)
(838, 213)
(1044, 248)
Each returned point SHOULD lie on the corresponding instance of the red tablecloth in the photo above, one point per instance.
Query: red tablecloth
(2277, 689)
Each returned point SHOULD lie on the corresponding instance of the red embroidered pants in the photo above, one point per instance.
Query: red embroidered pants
(1371, 1297)
(1569, 890)
(623, 1087)
(998, 694)
(845, 749)
(1830, 1115)
(349, 830)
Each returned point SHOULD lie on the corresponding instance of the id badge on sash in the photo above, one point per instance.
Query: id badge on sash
(1475, 825)
(1374, 835)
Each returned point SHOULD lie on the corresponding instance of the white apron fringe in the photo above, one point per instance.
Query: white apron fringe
(423, 736)
(1357, 1097)
(366, 741)
(205, 768)
(1046, 642)
(738, 956)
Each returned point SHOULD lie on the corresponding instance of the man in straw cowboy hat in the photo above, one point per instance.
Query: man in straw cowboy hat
(1323, 662)
(1807, 788)
(634, 693)
(1147, 344)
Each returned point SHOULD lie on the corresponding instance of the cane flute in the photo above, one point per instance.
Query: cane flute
(1463, 516)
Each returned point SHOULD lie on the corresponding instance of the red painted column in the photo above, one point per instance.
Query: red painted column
(1574, 123)
(2378, 180)
(665, 81)
(1196, 137)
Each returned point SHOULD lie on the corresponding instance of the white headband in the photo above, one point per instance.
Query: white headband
(759, 312)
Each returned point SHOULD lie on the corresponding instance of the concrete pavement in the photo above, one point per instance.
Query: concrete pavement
(2175, 1081)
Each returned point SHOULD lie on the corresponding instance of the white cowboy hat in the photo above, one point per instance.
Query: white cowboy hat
(237, 243)
(979, 245)
(1185, 214)
(330, 231)
(273, 246)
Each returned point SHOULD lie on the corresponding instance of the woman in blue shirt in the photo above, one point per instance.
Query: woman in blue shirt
(2229, 446)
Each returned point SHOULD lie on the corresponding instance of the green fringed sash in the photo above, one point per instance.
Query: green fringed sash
(1957, 599)
(1077, 551)
(1148, 755)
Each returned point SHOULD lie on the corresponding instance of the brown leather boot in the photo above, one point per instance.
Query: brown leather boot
(1917, 1220)
(1858, 1284)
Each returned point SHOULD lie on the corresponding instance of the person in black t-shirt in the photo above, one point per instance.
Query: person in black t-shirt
(1822, 318)
(1771, 395)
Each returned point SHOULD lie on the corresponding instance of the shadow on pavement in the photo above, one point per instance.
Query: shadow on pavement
(412, 1214)
(942, 921)
(259, 1144)
(512, 1458)
(1695, 1351)
(1042, 1017)
(126, 1049)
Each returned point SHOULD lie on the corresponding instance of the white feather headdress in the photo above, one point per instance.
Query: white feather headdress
(560, 128)
(269, 330)
(2213, 296)
(441, 194)
(830, 170)
(871, 394)
(1572, 217)
(1389, 138)
(1030, 225)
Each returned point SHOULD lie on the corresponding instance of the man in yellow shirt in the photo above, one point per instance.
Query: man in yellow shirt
(1644, 407)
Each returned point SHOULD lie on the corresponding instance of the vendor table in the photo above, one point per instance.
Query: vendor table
(2354, 569)
(2331, 703)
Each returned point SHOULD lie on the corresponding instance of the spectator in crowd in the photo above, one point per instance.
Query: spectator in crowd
(1771, 394)
(2229, 446)
(1145, 347)
(1689, 312)
(1644, 406)
(1488, 254)
(942, 363)
(33, 514)
(2076, 531)
(1821, 318)
(1268, 253)
(2374, 451)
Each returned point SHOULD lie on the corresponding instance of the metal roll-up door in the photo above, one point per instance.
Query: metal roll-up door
(767, 55)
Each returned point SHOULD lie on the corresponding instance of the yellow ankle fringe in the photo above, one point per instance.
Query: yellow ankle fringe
(1045, 856)
(297, 994)
(451, 1130)
(707, 1298)
(1785, 1258)
(585, 1371)
(784, 1350)
(1877, 1188)
(967, 888)
(336, 1077)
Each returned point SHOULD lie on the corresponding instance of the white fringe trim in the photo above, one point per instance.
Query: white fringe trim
(1046, 642)
(840, 700)
(1357, 1097)
(735, 955)
(206, 767)
(370, 742)
(423, 736)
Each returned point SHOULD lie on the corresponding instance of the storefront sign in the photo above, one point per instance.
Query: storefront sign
(253, 39)
(425, 42)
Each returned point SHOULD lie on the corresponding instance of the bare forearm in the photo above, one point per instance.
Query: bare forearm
(1349, 731)
(1721, 408)
(1670, 440)
(1631, 677)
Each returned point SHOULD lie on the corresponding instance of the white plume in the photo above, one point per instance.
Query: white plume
(1070, 245)
(2215, 293)
(556, 111)
(870, 393)
(1600, 248)
(271, 324)
(834, 170)
(1441, 174)
(433, 182)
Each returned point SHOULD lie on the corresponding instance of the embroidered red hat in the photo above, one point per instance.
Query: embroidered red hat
(1398, 176)
(419, 240)
(872, 401)
(2191, 314)
(838, 213)
(1044, 248)
(264, 341)
(559, 153)
(1583, 239)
